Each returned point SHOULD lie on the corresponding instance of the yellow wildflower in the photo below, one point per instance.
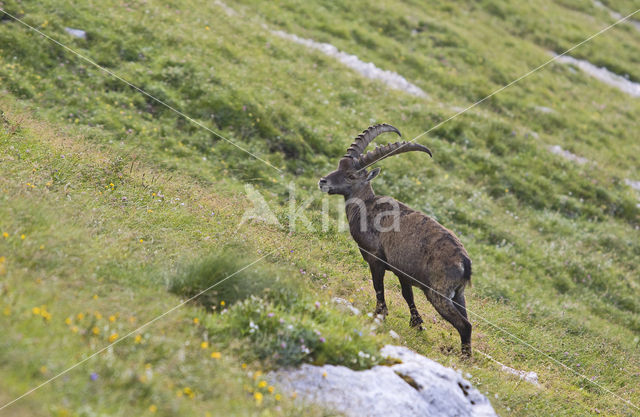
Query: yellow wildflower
(257, 375)
(112, 318)
(271, 389)
(74, 329)
(244, 366)
(36, 311)
(95, 296)
(141, 240)
(153, 408)
(7, 311)
(43, 369)
(80, 316)
(278, 397)
(258, 397)
(196, 320)
(137, 339)
(67, 321)
(216, 355)
(95, 330)
(222, 303)
(22, 236)
(204, 345)
(113, 337)
(189, 392)
(262, 384)
(97, 315)
(5, 235)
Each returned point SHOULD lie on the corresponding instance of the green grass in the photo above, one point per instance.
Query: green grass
(554, 244)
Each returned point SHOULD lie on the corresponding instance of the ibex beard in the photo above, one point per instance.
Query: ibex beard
(393, 237)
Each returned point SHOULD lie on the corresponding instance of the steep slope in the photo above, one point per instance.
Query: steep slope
(554, 243)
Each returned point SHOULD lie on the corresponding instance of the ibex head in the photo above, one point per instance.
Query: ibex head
(352, 174)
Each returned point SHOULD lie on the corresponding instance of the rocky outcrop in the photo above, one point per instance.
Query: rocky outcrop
(415, 386)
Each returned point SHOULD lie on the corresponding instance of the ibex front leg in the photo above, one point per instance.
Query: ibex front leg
(407, 293)
(377, 274)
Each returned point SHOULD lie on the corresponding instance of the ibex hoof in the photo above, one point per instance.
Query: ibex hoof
(416, 322)
(466, 351)
(381, 310)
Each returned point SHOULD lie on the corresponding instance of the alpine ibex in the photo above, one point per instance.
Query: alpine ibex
(392, 236)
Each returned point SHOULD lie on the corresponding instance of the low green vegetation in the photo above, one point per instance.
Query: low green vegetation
(114, 209)
(282, 324)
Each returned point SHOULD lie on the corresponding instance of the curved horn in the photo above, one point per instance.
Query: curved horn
(381, 152)
(363, 139)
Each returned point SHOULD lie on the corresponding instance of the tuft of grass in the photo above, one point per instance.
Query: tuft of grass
(226, 273)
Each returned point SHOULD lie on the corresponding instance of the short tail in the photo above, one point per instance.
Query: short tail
(466, 262)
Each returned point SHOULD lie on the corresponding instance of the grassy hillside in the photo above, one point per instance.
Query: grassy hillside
(115, 209)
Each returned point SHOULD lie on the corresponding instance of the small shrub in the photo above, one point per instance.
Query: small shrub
(305, 332)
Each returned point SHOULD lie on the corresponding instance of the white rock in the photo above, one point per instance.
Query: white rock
(416, 387)
(567, 155)
(603, 74)
(633, 184)
(344, 303)
(228, 10)
(544, 109)
(76, 33)
(530, 376)
(367, 69)
(617, 15)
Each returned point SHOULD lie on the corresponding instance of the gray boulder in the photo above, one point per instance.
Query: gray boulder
(76, 33)
(416, 386)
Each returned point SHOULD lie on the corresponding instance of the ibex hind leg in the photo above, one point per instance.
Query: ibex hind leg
(460, 303)
(450, 313)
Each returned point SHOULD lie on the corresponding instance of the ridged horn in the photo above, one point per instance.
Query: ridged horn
(359, 145)
(381, 152)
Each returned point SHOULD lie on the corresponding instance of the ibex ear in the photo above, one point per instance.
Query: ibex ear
(372, 174)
